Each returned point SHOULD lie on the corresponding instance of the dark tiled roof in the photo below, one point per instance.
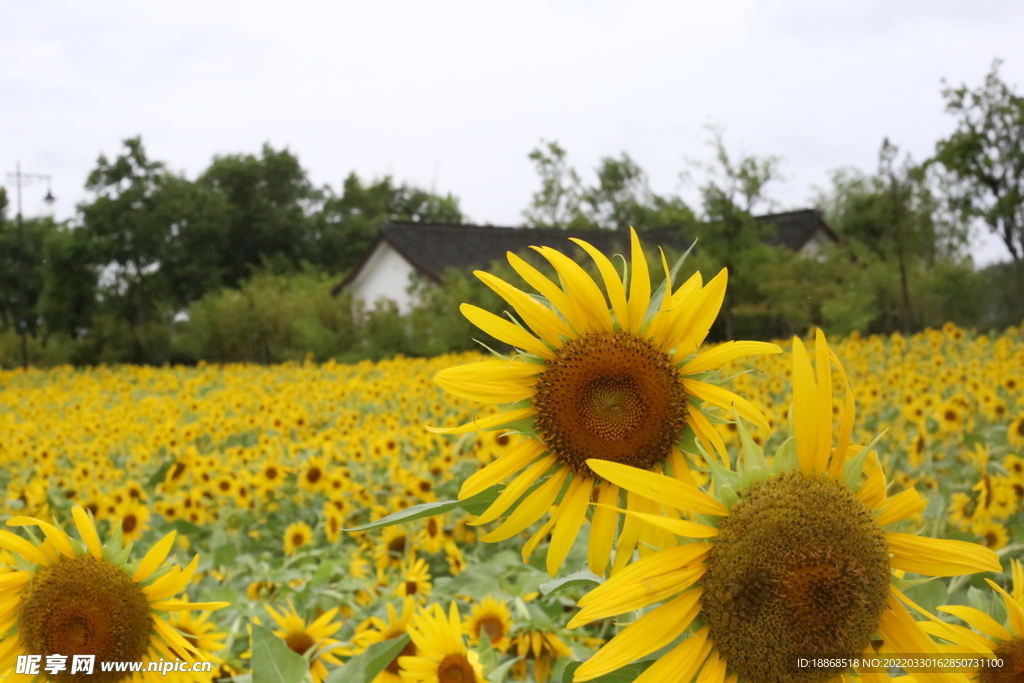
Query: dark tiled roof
(794, 229)
(433, 248)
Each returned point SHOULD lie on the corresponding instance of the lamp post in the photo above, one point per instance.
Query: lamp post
(23, 179)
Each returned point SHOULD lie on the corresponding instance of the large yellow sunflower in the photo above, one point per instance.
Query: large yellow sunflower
(442, 655)
(613, 378)
(81, 597)
(783, 561)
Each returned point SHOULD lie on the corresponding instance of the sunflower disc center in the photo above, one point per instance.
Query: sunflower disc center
(800, 567)
(1012, 671)
(455, 668)
(85, 606)
(612, 396)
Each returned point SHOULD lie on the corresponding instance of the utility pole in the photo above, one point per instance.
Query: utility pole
(19, 180)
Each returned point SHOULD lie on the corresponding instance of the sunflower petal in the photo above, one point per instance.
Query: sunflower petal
(533, 507)
(727, 352)
(939, 556)
(728, 401)
(902, 505)
(515, 490)
(27, 549)
(583, 291)
(489, 422)
(680, 663)
(651, 632)
(56, 536)
(506, 331)
(602, 528)
(679, 527)
(612, 282)
(979, 620)
(87, 532)
(542, 320)
(154, 558)
(666, 490)
(514, 459)
(571, 515)
(639, 284)
(550, 291)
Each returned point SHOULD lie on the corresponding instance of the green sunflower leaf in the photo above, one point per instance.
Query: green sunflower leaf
(855, 466)
(499, 673)
(584, 577)
(364, 667)
(273, 661)
(474, 505)
(659, 293)
(753, 456)
(785, 458)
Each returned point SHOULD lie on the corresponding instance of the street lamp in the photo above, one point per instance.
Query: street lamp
(23, 179)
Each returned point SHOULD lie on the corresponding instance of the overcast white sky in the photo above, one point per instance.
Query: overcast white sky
(455, 94)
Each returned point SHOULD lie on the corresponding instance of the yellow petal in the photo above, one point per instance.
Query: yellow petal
(666, 490)
(583, 291)
(726, 353)
(824, 403)
(18, 545)
(679, 527)
(571, 515)
(651, 632)
(979, 620)
(939, 556)
(506, 331)
(1012, 608)
(550, 291)
(542, 320)
(706, 309)
(514, 459)
(602, 529)
(805, 412)
(612, 282)
(902, 505)
(845, 422)
(901, 635)
(515, 490)
(489, 422)
(56, 536)
(725, 399)
(182, 605)
(490, 381)
(639, 284)
(533, 507)
(680, 663)
(704, 431)
(87, 532)
(640, 593)
(154, 558)
(539, 535)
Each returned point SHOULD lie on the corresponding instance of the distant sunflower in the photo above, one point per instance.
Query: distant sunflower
(415, 579)
(81, 597)
(296, 535)
(786, 561)
(376, 630)
(442, 656)
(614, 379)
(539, 646)
(492, 617)
(311, 640)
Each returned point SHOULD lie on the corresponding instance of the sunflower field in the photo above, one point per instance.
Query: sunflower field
(614, 501)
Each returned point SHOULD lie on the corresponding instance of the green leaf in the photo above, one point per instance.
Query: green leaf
(659, 293)
(272, 659)
(785, 458)
(499, 673)
(364, 667)
(584, 577)
(478, 502)
(159, 475)
(188, 528)
(855, 466)
(626, 674)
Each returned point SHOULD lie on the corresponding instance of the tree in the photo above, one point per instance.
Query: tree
(347, 224)
(269, 203)
(984, 159)
(557, 204)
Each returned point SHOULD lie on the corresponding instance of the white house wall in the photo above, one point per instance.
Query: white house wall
(385, 275)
